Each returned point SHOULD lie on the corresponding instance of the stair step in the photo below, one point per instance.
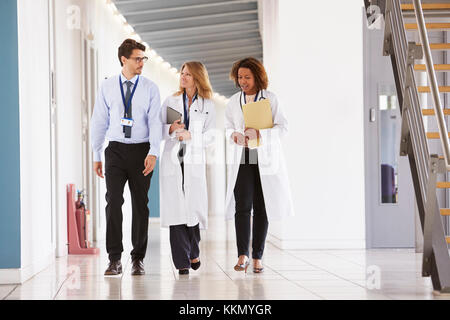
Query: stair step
(445, 212)
(424, 89)
(434, 135)
(437, 46)
(429, 26)
(430, 112)
(427, 6)
(443, 185)
(437, 67)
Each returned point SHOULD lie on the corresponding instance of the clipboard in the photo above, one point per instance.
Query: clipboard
(172, 115)
(257, 115)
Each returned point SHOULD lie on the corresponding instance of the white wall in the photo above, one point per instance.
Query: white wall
(68, 115)
(35, 177)
(315, 68)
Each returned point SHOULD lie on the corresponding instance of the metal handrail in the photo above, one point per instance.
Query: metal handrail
(437, 105)
(413, 114)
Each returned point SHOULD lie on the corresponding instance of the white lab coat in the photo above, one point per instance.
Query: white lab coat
(272, 168)
(191, 206)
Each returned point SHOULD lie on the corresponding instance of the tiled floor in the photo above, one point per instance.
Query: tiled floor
(289, 274)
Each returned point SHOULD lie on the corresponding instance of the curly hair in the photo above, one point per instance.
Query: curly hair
(257, 69)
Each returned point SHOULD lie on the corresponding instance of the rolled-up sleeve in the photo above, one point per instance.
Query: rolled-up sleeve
(154, 122)
(99, 124)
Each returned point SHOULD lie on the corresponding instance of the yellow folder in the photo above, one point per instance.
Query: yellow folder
(257, 115)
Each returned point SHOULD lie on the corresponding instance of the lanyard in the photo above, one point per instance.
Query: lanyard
(186, 109)
(127, 104)
(193, 99)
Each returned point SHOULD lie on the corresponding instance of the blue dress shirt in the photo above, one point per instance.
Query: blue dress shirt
(109, 110)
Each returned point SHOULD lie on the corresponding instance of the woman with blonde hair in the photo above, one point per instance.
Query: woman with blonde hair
(188, 119)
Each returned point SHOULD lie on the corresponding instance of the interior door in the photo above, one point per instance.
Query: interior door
(390, 201)
(90, 84)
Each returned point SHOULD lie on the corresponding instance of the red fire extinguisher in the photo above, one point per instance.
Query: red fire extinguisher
(81, 215)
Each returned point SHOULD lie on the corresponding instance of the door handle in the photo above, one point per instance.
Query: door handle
(372, 115)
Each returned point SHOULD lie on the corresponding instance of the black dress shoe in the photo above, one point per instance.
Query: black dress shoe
(183, 271)
(137, 269)
(114, 268)
(195, 265)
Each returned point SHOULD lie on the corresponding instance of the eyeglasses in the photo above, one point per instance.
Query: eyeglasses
(140, 59)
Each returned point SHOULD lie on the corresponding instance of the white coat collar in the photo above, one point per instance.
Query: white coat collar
(261, 93)
(198, 104)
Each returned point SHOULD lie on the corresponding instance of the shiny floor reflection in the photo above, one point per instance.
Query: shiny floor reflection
(289, 274)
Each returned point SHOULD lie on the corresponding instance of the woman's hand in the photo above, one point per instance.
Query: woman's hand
(183, 135)
(177, 125)
(251, 134)
(238, 138)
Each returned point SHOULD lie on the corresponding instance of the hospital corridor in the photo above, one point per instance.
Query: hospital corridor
(225, 150)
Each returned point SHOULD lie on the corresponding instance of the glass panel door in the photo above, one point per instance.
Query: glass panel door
(389, 143)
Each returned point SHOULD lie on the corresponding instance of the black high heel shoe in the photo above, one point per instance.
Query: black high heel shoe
(195, 265)
(183, 271)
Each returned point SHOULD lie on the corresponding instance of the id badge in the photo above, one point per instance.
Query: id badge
(126, 122)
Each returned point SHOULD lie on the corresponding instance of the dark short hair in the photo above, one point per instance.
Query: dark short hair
(127, 47)
(257, 69)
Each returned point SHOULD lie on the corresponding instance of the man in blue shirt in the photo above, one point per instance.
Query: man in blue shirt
(127, 114)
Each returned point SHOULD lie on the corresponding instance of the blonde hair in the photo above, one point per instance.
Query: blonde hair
(201, 79)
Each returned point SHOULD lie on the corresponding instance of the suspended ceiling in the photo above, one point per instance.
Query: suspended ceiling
(215, 32)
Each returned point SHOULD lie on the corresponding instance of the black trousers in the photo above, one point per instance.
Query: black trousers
(184, 242)
(125, 162)
(249, 195)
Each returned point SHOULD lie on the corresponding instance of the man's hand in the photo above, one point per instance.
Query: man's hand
(238, 138)
(183, 135)
(149, 164)
(98, 169)
(176, 126)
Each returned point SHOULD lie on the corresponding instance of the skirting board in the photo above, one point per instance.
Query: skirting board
(154, 220)
(19, 276)
(313, 244)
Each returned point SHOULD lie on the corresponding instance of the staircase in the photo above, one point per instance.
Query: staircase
(428, 170)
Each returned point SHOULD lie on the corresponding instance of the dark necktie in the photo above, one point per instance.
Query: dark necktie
(129, 114)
